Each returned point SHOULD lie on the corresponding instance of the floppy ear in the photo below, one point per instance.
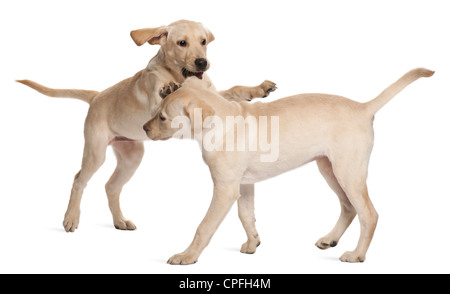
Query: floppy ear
(209, 36)
(205, 110)
(151, 35)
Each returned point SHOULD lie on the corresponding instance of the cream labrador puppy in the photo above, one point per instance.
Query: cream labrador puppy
(116, 115)
(334, 131)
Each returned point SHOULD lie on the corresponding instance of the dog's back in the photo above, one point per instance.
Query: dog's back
(311, 126)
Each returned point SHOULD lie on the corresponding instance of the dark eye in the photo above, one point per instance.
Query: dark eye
(204, 42)
(182, 43)
(161, 117)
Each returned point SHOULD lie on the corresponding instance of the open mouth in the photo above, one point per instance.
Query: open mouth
(187, 74)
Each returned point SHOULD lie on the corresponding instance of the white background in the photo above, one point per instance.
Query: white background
(351, 48)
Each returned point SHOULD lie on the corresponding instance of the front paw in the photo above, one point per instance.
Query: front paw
(168, 89)
(267, 87)
(182, 258)
(326, 242)
(71, 220)
(352, 256)
(124, 224)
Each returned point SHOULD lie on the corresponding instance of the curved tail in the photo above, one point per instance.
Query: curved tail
(376, 104)
(85, 95)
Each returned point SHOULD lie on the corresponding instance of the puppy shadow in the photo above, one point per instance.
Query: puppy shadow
(231, 249)
(329, 258)
(56, 229)
(106, 226)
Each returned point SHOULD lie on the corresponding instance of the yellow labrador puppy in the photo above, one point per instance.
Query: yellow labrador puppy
(116, 115)
(334, 131)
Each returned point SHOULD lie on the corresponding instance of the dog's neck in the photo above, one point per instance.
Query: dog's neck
(222, 108)
(161, 62)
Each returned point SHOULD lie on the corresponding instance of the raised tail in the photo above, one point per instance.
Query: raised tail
(85, 95)
(376, 104)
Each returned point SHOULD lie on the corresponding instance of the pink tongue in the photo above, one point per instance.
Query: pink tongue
(199, 75)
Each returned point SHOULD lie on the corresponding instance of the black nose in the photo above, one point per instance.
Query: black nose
(145, 129)
(201, 64)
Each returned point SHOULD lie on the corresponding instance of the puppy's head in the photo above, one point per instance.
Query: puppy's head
(181, 114)
(183, 43)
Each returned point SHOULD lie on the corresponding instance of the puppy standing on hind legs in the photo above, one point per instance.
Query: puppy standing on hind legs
(116, 115)
(335, 131)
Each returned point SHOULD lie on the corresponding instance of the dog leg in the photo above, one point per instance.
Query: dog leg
(129, 156)
(246, 211)
(237, 93)
(242, 93)
(93, 158)
(351, 174)
(224, 196)
(347, 211)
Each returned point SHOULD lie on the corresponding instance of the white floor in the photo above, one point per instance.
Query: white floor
(349, 49)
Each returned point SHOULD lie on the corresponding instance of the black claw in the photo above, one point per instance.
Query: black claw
(333, 243)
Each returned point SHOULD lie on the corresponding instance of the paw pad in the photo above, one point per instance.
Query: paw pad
(168, 89)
